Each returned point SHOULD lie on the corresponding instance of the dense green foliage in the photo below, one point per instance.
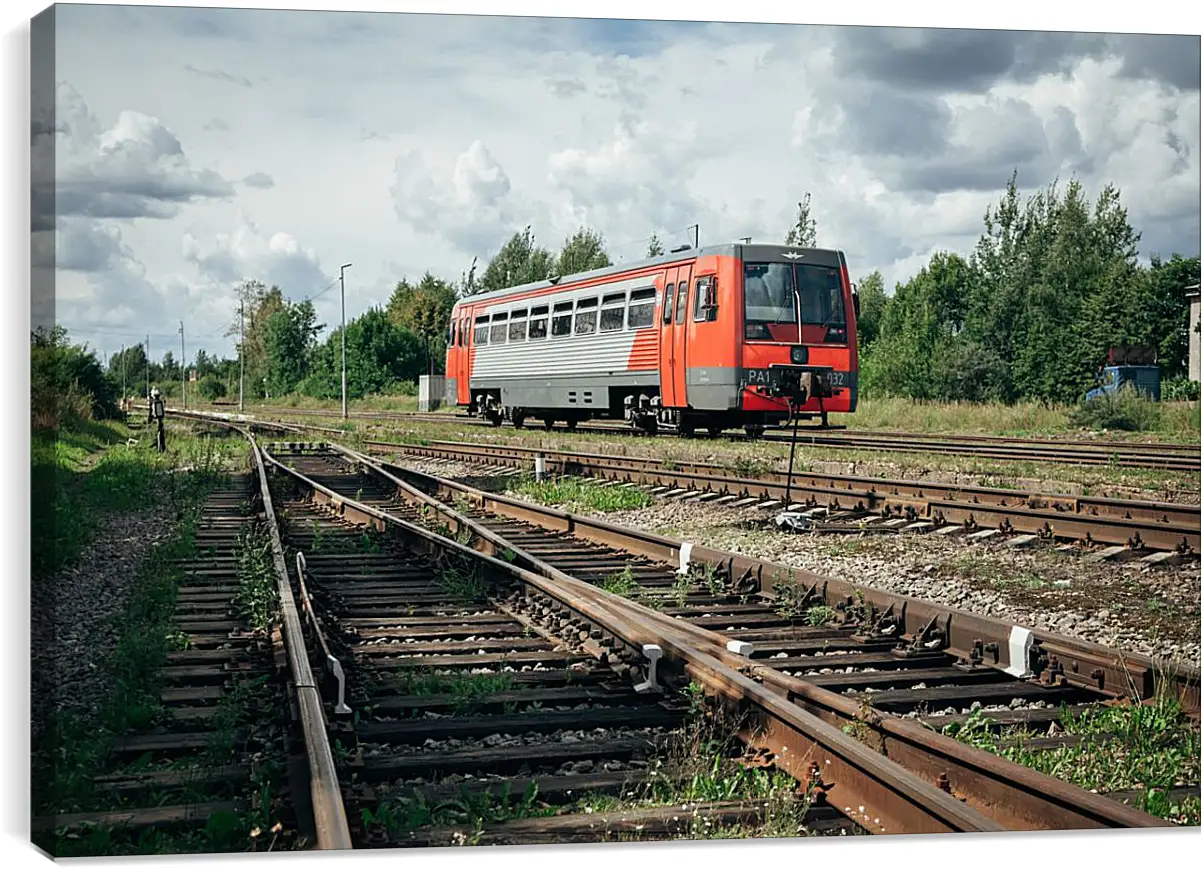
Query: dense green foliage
(66, 380)
(1053, 283)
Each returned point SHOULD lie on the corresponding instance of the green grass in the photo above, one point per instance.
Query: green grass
(574, 494)
(257, 599)
(1174, 421)
(467, 691)
(81, 473)
(1124, 410)
(1139, 746)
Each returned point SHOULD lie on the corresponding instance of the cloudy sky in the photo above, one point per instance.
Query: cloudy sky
(199, 147)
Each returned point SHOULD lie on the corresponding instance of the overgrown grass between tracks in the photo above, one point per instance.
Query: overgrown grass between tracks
(70, 748)
(574, 494)
(1146, 747)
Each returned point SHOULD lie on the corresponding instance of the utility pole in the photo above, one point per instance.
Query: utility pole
(183, 368)
(148, 367)
(241, 350)
(696, 235)
(124, 361)
(342, 290)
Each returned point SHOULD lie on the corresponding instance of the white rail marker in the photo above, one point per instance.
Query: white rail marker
(686, 549)
(654, 652)
(740, 648)
(1021, 640)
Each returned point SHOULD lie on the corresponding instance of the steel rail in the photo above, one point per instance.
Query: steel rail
(1014, 796)
(329, 812)
(1153, 455)
(1085, 664)
(1072, 513)
(1132, 523)
(894, 800)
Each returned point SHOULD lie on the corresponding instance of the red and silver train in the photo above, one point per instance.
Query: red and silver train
(720, 337)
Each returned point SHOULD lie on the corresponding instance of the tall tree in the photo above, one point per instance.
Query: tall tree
(872, 307)
(520, 261)
(582, 252)
(259, 303)
(425, 310)
(804, 232)
(656, 247)
(379, 355)
(1058, 283)
(468, 284)
(289, 338)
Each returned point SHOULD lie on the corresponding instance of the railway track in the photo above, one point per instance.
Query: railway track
(210, 759)
(837, 670)
(479, 725)
(1157, 532)
(454, 646)
(1166, 457)
(1161, 531)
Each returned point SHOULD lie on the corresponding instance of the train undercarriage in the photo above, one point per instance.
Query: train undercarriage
(644, 412)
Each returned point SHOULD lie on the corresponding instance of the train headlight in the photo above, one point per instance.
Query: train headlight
(799, 355)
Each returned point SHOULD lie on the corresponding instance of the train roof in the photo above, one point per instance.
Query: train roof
(761, 253)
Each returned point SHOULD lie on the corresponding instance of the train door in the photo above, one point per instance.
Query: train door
(463, 367)
(679, 336)
(667, 385)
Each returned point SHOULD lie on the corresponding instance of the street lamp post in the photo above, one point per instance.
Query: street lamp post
(342, 291)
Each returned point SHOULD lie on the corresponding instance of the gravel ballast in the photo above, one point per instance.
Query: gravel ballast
(73, 614)
(1154, 611)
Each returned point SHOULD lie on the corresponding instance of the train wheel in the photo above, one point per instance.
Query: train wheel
(686, 430)
(496, 418)
(571, 424)
(548, 423)
(519, 420)
(754, 431)
(714, 431)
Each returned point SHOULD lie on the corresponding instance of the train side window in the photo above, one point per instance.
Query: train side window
(517, 326)
(481, 336)
(586, 316)
(500, 324)
(538, 322)
(705, 306)
(642, 309)
(682, 300)
(561, 319)
(613, 312)
(451, 333)
(668, 297)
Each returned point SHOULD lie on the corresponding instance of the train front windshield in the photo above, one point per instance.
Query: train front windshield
(772, 293)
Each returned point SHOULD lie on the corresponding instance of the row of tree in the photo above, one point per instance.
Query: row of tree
(1052, 283)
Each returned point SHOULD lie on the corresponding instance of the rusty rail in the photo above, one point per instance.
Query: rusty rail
(1084, 663)
(329, 813)
(1158, 525)
(1015, 796)
(1012, 795)
(894, 800)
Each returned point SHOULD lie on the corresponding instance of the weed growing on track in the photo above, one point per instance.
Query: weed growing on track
(704, 760)
(466, 692)
(574, 494)
(1138, 746)
(461, 579)
(257, 598)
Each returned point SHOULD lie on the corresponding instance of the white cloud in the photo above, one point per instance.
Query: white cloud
(403, 143)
